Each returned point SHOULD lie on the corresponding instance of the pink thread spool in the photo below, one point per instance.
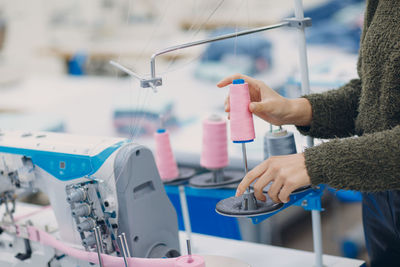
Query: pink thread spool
(242, 125)
(214, 154)
(165, 159)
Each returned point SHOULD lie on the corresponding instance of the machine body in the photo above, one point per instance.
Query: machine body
(111, 184)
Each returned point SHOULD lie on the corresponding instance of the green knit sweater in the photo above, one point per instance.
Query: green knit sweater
(368, 107)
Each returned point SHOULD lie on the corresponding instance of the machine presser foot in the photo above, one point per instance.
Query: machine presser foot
(216, 179)
(185, 174)
(28, 251)
(246, 206)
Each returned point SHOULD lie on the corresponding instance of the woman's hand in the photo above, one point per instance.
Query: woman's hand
(269, 105)
(286, 172)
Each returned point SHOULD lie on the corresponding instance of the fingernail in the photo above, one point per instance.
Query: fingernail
(238, 193)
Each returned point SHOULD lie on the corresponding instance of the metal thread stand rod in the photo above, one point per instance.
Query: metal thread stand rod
(246, 168)
(125, 69)
(305, 89)
(189, 250)
(317, 237)
(185, 212)
(209, 40)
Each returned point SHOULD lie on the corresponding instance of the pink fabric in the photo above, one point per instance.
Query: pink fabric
(46, 239)
(242, 126)
(165, 159)
(192, 261)
(214, 154)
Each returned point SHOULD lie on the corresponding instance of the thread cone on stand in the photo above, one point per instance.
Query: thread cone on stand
(278, 143)
(214, 154)
(242, 131)
(165, 159)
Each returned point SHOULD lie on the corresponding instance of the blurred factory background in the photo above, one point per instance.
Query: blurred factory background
(55, 76)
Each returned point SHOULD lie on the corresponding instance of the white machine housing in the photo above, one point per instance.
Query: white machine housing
(112, 183)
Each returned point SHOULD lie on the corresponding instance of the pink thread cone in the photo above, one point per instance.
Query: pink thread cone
(241, 119)
(165, 159)
(214, 154)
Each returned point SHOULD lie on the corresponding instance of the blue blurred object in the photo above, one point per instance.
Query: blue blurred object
(76, 64)
(329, 33)
(255, 47)
(349, 249)
(352, 244)
(348, 196)
(327, 10)
(337, 22)
(244, 54)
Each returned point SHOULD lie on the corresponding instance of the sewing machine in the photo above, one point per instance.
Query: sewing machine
(101, 190)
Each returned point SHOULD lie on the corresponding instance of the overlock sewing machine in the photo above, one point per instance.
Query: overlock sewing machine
(106, 195)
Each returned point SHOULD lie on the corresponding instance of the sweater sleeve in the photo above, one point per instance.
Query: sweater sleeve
(334, 112)
(366, 163)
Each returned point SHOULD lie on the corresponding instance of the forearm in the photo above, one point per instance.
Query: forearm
(366, 163)
(333, 113)
(301, 112)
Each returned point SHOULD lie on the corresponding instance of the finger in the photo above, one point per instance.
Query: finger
(275, 189)
(262, 182)
(228, 80)
(227, 104)
(256, 107)
(250, 177)
(284, 194)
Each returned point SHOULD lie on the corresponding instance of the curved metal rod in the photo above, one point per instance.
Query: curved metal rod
(125, 69)
(209, 40)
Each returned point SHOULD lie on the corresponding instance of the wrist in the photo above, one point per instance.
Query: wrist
(300, 112)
